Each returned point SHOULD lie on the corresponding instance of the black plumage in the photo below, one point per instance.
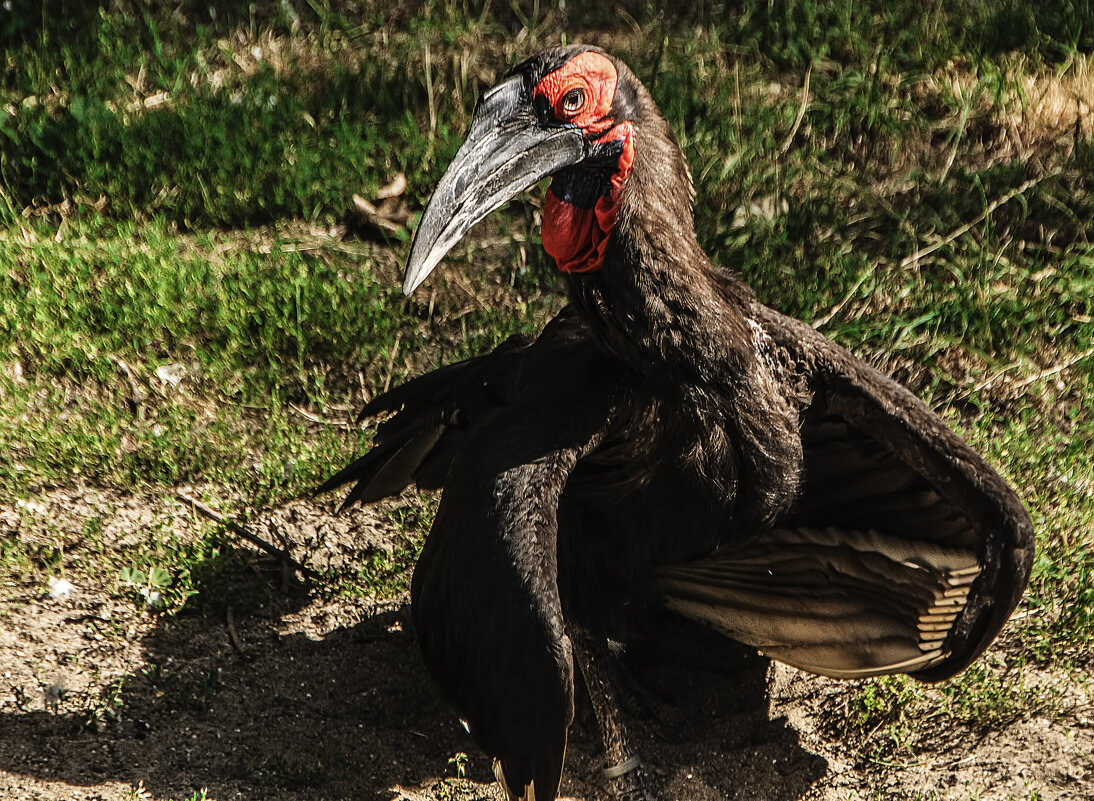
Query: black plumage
(666, 442)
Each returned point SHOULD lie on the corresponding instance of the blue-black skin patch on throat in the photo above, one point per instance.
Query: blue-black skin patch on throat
(585, 183)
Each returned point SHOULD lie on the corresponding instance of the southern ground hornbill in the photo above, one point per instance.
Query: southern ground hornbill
(667, 442)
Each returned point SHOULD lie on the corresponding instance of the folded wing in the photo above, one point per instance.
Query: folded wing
(485, 597)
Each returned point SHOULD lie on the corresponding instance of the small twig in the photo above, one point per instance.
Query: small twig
(822, 321)
(961, 761)
(964, 229)
(299, 247)
(375, 215)
(429, 91)
(366, 396)
(391, 360)
(901, 765)
(240, 531)
(321, 420)
(1054, 370)
(233, 635)
(1025, 614)
(737, 101)
(801, 116)
(991, 379)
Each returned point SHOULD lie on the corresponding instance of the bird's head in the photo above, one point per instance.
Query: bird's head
(566, 112)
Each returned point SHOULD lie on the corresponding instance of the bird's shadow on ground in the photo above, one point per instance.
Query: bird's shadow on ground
(247, 711)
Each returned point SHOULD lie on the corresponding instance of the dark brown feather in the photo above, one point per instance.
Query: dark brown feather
(669, 441)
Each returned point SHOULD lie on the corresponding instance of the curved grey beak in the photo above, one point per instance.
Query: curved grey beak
(506, 152)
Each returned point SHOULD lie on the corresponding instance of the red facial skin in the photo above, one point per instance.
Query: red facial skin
(577, 238)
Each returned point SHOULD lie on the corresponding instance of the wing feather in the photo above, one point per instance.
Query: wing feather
(905, 551)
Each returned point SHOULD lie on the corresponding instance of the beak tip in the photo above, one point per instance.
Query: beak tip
(421, 264)
(413, 279)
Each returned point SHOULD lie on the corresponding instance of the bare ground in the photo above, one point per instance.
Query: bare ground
(281, 693)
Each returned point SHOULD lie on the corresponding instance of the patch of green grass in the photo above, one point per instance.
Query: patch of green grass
(989, 696)
(215, 122)
(896, 713)
(270, 455)
(276, 147)
(145, 357)
(386, 573)
(244, 320)
(916, 35)
(1049, 458)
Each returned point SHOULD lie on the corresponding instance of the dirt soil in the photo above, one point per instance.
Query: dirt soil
(287, 695)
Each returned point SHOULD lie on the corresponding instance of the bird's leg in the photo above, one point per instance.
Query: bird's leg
(622, 771)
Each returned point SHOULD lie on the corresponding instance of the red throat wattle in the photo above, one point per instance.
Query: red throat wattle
(576, 237)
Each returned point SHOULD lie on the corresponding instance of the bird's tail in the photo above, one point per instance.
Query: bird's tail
(839, 603)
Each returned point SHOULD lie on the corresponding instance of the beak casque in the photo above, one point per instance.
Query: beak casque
(506, 152)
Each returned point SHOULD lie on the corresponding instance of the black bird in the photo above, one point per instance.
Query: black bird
(666, 443)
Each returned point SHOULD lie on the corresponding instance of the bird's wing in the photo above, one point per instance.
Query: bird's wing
(905, 552)
(431, 415)
(430, 418)
(501, 433)
(485, 598)
(488, 617)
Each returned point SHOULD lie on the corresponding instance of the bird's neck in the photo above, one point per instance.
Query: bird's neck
(659, 305)
(656, 301)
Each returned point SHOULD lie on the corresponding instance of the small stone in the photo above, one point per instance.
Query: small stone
(60, 588)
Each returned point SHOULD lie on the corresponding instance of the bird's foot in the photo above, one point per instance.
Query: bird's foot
(627, 781)
(625, 777)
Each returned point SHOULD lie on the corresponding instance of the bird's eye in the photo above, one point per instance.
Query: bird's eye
(573, 101)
